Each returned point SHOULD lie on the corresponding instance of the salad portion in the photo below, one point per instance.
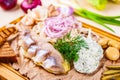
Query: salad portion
(89, 58)
(56, 41)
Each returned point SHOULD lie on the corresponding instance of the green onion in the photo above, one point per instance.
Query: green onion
(100, 19)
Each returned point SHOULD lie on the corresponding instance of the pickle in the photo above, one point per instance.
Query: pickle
(111, 77)
(109, 72)
(114, 67)
(117, 78)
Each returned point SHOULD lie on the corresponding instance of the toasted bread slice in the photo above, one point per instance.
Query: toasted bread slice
(7, 54)
(5, 33)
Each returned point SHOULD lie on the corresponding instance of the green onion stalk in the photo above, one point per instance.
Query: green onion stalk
(100, 19)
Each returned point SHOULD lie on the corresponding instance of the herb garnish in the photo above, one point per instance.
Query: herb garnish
(69, 47)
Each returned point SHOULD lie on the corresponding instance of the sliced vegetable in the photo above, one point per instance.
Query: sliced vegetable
(109, 72)
(8, 4)
(113, 73)
(110, 77)
(30, 4)
(56, 27)
(115, 67)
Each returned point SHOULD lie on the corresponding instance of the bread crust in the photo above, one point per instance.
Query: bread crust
(7, 54)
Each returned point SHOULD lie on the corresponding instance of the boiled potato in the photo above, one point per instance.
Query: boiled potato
(114, 43)
(112, 53)
(103, 42)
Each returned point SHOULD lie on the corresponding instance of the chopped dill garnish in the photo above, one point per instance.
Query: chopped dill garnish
(69, 47)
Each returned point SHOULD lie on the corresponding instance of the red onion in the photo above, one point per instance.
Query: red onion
(30, 4)
(56, 27)
(1, 1)
(8, 4)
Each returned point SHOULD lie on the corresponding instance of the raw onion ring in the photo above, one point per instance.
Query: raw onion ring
(56, 27)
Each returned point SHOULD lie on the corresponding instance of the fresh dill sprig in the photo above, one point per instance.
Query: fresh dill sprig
(69, 47)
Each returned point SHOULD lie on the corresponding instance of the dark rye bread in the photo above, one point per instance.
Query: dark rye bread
(7, 54)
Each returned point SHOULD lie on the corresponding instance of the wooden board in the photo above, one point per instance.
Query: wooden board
(8, 73)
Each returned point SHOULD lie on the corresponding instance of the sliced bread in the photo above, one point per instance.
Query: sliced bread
(7, 54)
